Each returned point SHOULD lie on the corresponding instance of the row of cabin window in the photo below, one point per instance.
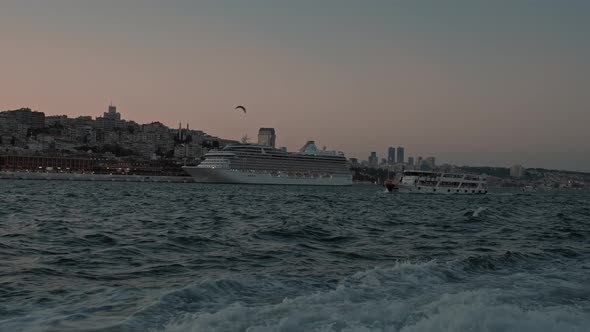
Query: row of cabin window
(459, 190)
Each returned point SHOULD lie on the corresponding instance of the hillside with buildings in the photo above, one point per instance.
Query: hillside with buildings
(30, 140)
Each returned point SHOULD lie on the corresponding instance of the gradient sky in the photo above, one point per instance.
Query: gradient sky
(470, 82)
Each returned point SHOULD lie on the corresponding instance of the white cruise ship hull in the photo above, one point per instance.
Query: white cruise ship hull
(215, 175)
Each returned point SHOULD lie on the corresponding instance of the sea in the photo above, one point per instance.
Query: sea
(84, 256)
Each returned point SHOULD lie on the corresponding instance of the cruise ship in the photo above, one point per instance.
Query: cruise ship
(264, 164)
(421, 182)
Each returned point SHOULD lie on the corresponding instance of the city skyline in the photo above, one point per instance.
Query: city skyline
(113, 114)
(476, 83)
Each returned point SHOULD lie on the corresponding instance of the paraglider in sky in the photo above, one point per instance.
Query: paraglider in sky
(240, 107)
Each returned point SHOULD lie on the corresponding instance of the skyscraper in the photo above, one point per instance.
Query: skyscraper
(411, 161)
(431, 162)
(373, 159)
(400, 155)
(391, 155)
(267, 136)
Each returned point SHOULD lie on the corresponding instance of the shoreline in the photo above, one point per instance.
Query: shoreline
(15, 175)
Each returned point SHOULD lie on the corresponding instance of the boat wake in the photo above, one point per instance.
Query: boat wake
(405, 297)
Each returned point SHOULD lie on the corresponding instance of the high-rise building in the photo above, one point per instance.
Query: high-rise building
(400, 155)
(267, 136)
(112, 113)
(373, 159)
(411, 161)
(391, 155)
(430, 162)
(419, 162)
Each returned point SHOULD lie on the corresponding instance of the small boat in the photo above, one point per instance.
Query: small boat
(391, 185)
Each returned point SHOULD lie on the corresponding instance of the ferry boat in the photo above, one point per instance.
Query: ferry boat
(261, 164)
(422, 182)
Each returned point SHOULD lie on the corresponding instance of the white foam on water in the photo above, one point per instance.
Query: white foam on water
(484, 310)
(404, 298)
(478, 211)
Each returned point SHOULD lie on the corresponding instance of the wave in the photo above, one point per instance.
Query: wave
(406, 298)
(463, 311)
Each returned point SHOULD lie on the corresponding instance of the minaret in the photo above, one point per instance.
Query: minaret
(186, 144)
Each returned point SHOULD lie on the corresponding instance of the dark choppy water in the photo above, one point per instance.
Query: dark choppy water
(185, 257)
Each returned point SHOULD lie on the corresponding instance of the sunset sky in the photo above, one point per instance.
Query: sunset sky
(470, 82)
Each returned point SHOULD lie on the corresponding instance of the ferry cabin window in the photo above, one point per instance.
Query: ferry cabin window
(422, 174)
(412, 173)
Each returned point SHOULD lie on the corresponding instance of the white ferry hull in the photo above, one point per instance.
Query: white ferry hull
(211, 175)
(409, 189)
